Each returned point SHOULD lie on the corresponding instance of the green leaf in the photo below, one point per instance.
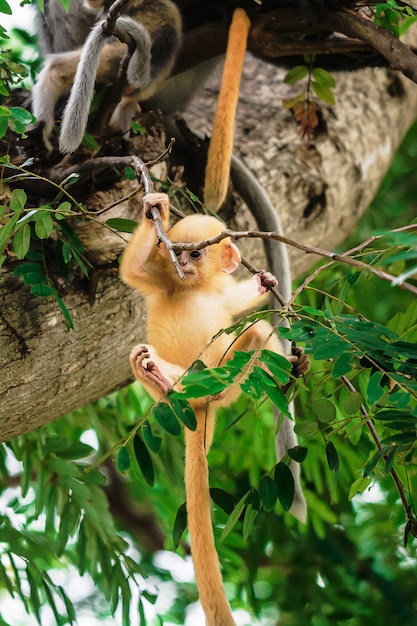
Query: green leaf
(375, 458)
(275, 394)
(353, 402)
(122, 225)
(359, 486)
(4, 124)
(42, 290)
(260, 381)
(152, 441)
(18, 200)
(390, 415)
(278, 365)
(66, 253)
(224, 500)
(248, 521)
(123, 459)
(5, 580)
(5, 7)
(144, 460)
(404, 320)
(64, 208)
(298, 453)
(31, 273)
(332, 456)
(285, 483)
(165, 417)
(324, 410)
(82, 547)
(65, 312)
(324, 93)
(254, 499)
(71, 450)
(268, 492)
(234, 517)
(374, 391)
(183, 412)
(22, 115)
(180, 524)
(89, 142)
(21, 241)
(342, 365)
(295, 74)
(7, 230)
(18, 581)
(329, 347)
(50, 600)
(68, 605)
(44, 225)
(151, 597)
(28, 268)
(64, 528)
(306, 428)
(206, 382)
(33, 589)
(323, 77)
(26, 478)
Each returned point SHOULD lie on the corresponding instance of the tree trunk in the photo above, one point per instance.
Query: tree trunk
(320, 191)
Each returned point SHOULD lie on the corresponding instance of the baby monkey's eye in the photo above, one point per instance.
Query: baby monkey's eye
(195, 254)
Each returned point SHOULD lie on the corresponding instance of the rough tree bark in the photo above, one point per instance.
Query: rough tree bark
(320, 192)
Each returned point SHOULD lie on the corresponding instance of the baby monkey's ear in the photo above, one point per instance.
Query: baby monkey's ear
(230, 257)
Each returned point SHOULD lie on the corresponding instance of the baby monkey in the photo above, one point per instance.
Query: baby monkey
(82, 53)
(183, 316)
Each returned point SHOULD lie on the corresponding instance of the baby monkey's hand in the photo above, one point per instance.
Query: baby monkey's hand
(266, 281)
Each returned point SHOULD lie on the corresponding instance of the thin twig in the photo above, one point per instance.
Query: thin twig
(333, 256)
(348, 253)
(113, 13)
(164, 154)
(394, 475)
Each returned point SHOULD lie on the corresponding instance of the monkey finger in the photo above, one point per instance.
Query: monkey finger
(292, 358)
(267, 279)
(300, 361)
(138, 354)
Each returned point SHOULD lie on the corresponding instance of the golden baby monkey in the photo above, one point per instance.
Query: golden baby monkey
(182, 318)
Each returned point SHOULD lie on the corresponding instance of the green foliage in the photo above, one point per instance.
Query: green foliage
(362, 374)
(43, 239)
(317, 79)
(356, 418)
(67, 520)
(395, 17)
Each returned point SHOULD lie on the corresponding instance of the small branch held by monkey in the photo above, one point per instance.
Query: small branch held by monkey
(151, 202)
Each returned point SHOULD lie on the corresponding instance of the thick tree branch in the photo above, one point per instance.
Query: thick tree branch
(281, 33)
(397, 53)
